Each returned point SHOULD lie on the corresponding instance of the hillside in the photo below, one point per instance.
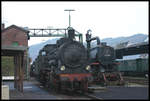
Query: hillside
(137, 38)
(34, 49)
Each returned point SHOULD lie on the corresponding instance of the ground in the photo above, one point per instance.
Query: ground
(34, 90)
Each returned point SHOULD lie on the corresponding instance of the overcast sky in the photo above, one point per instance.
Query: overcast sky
(105, 19)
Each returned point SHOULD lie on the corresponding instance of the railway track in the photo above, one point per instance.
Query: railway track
(79, 96)
(69, 95)
(100, 93)
(142, 81)
(76, 96)
(93, 96)
(73, 95)
(96, 95)
(84, 95)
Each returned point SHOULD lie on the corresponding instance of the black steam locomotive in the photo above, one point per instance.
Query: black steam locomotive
(64, 65)
(102, 60)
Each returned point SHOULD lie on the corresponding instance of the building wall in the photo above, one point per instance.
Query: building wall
(14, 35)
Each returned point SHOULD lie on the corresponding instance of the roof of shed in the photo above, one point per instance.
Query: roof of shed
(12, 50)
(19, 28)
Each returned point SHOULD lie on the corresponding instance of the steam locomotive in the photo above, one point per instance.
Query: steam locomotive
(102, 61)
(64, 65)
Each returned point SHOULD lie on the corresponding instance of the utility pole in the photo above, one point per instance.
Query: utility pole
(69, 15)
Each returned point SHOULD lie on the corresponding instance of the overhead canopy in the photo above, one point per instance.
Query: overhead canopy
(12, 50)
(132, 50)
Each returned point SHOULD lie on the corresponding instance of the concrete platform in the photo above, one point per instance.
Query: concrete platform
(31, 91)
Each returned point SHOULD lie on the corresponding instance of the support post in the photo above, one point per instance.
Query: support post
(15, 73)
(21, 73)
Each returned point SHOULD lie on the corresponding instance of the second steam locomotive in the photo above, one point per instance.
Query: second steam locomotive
(102, 59)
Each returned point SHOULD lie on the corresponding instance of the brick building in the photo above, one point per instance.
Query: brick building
(18, 37)
(14, 35)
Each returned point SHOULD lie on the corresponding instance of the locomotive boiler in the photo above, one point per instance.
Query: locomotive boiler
(102, 59)
(64, 65)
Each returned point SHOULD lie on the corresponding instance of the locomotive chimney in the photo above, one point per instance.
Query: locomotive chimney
(71, 33)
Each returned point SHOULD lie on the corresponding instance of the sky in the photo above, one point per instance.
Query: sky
(105, 19)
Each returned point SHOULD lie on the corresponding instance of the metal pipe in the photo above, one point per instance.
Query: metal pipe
(95, 38)
(89, 39)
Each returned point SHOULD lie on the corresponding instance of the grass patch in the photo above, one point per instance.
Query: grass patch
(7, 65)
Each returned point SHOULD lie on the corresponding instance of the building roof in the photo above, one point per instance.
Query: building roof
(134, 57)
(138, 44)
(19, 28)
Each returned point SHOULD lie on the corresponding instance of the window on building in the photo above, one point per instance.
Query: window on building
(15, 43)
